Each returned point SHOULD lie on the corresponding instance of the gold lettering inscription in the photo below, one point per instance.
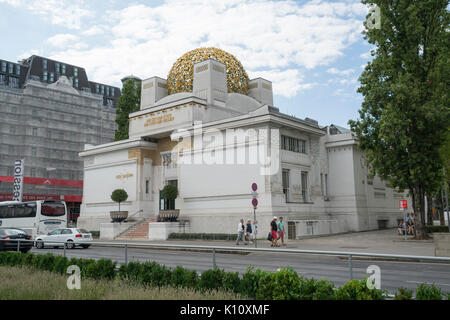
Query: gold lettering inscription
(158, 120)
(124, 176)
(148, 85)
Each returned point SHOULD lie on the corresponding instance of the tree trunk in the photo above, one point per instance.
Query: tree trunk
(418, 196)
(429, 211)
(441, 211)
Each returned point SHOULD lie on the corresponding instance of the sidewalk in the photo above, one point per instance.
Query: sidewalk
(380, 241)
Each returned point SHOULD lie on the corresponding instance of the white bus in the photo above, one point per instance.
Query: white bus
(35, 217)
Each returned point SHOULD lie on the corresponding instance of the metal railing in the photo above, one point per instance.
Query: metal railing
(217, 249)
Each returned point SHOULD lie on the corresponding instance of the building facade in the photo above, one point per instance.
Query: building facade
(213, 140)
(49, 111)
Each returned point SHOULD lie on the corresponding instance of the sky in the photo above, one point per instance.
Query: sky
(313, 51)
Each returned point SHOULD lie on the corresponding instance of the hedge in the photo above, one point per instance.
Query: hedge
(203, 236)
(285, 284)
(431, 229)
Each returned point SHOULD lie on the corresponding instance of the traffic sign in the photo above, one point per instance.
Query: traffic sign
(255, 202)
(254, 186)
(403, 204)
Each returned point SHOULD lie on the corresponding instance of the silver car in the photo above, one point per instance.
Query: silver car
(72, 236)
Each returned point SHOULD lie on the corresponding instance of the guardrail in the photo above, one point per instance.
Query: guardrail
(214, 250)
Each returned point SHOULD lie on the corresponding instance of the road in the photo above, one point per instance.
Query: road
(394, 274)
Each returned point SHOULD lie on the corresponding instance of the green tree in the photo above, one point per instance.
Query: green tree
(128, 102)
(406, 103)
(119, 195)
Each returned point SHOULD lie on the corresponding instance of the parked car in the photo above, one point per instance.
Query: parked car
(14, 234)
(72, 236)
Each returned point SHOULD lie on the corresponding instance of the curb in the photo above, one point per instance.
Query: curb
(361, 258)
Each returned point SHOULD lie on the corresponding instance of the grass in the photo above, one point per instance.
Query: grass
(23, 283)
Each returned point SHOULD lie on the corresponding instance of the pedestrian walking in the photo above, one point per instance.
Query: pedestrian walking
(280, 226)
(255, 229)
(248, 231)
(274, 230)
(241, 232)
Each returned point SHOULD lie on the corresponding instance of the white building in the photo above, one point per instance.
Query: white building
(213, 143)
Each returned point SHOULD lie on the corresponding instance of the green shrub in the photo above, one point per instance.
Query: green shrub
(358, 290)
(46, 262)
(60, 264)
(231, 282)
(202, 236)
(249, 283)
(403, 294)
(211, 279)
(324, 290)
(427, 292)
(284, 285)
(431, 229)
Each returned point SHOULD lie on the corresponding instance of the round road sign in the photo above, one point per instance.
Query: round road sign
(254, 186)
(255, 202)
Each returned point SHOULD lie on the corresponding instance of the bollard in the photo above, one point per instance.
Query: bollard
(214, 258)
(350, 266)
(64, 249)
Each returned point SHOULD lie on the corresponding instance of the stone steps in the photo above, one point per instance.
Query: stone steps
(137, 232)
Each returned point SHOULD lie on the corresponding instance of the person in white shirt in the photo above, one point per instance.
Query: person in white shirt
(241, 233)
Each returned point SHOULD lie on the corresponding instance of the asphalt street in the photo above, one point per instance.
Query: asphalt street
(394, 274)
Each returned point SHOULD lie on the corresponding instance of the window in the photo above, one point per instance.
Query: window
(33, 151)
(11, 68)
(293, 144)
(44, 64)
(107, 91)
(285, 182)
(33, 172)
(63, 69)
(103, 89)
(57, 67)
(2, 79)
(35, 131)
(147, 186)
(12, 130)
(304, 186)
(3, 66)
(18, 211)
(13, 82)
(55, 232)
(53, 209)
(75, 83)
(110, 102)
(17, 70)
(75, 72)
(66, 231)
(45, 76)
(112, 92)
(52, 77)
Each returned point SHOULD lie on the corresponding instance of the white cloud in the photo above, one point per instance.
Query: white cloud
(277, 40)
(345, 72)
(93, 31)
(67, 13)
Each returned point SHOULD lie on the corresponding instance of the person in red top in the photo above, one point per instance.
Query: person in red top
(274, 230)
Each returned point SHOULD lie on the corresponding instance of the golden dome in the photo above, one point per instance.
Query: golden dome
(181, 76)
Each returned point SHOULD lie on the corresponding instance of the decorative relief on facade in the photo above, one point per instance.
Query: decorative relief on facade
(140, 154)
(148, 85)
(218, 68)
(267, 86)
(253, 85)
(201, 68)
